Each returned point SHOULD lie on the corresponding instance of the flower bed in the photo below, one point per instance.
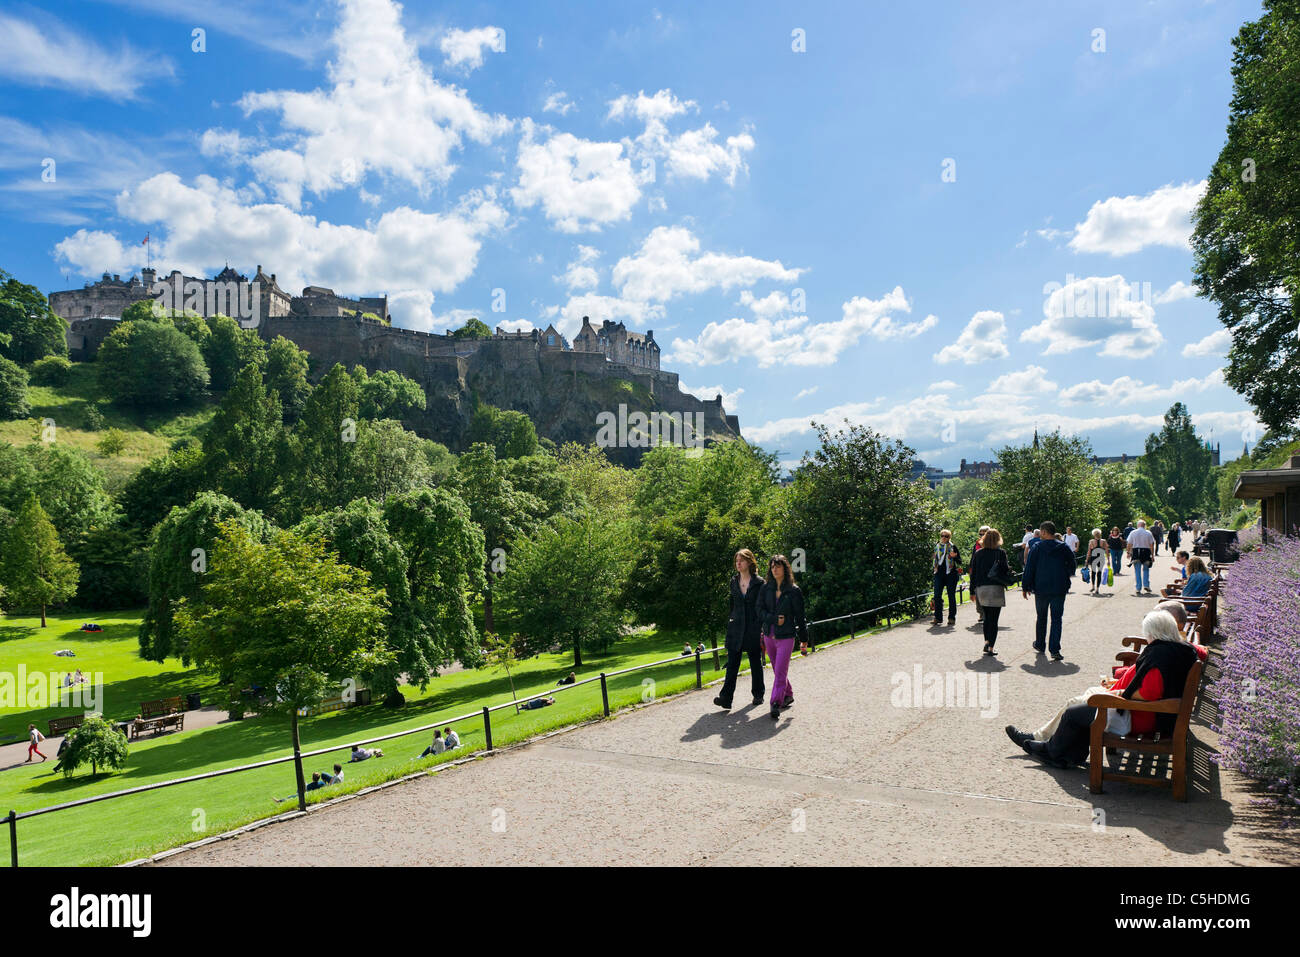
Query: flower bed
(1258, 691)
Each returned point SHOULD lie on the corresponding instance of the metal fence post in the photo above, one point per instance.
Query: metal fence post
(487, 727)
(604, 693)
(699, 675)
(13, 838)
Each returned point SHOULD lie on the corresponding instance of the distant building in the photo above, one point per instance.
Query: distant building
(978, 470)
(617, 344)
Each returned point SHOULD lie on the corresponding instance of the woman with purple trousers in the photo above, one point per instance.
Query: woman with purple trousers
(782, 614)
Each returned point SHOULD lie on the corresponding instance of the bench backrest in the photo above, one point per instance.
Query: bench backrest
(153, 709)
(59, 725)
(1190, 688)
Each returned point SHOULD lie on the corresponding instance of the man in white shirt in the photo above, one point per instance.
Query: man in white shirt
(1072, 539)
(1141, 546)
(450, 738)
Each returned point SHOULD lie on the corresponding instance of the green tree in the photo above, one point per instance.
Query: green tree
(112, 443)
(97, 743)
(1119, 503)
(114, 563)
(325, 441)
(52, 370)
(163, 483)
(285, 615)
(1054, 481)
(511, 434)
(35, 569)
(29, 329)
(65, 481)
(228, 348)
(286, 374)
(151, 364)
(180, 555)
(387, 395)
(1247, 223)
(500, 510)
(563, 584)
(686, 541)
(865, 528)
(13, 391)
(956, 492)
(1176, 466)
(474, 329)
(387, 459)
(246, 447)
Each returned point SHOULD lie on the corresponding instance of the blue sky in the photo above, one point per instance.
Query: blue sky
(954, 223)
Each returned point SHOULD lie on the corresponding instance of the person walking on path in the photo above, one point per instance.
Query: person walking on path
(1047, 577)
(743, 630)
(1141, 548)
(1096, 559)
(990, 574)
(1173, 538)
(1072, 539)
(34, 738)
(1158, 533)
(1116, 543)
(782, 611)
(979, 543)
(947, 571)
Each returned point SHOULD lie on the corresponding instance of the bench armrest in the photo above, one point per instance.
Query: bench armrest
(1115, 702)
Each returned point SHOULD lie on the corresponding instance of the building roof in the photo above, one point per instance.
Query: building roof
(1262, 483)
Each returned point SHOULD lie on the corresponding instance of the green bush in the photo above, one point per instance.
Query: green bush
(52, 370)
(93, 420)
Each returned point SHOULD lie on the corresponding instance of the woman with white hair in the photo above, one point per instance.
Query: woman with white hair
(1096, 560)
(1159, 672)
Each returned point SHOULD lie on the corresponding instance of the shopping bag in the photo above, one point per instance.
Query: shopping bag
(1110, 576)
(1086, 575)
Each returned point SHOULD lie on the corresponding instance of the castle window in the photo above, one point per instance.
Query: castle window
(550, 340)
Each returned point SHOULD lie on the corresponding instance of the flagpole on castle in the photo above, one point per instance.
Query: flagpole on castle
(148, 250)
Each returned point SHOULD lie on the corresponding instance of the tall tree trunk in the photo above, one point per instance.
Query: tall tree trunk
(577, 652)
(297, 763)
(488, 623)
(42, 614)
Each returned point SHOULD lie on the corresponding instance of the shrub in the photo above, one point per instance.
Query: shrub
(96, 743)
(1258, 690)
(112, 444)
(93, 420)
(52, 370)
(13, 390)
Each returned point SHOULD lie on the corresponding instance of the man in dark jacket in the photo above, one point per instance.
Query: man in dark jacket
(1048, 573)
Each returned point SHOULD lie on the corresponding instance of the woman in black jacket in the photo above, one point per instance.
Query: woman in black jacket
(743, 627)
(990, 573)
(782, 611)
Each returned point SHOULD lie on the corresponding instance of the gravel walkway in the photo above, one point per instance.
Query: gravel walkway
(850, 775)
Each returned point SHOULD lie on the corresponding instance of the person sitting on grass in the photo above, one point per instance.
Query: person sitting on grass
(314, 785)
(686, 649)
(568, 679)
(437, 747)
(335, 778)
(536, 703)
(364, 754)
(451, 738)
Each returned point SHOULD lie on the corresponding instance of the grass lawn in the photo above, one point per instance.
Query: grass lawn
(149, 433)
(126, 828)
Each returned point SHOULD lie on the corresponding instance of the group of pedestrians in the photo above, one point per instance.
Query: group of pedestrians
(766, 617)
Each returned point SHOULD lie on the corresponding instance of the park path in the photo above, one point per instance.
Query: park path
(847, 776)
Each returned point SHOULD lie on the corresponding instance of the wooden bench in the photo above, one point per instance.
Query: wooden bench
(156, 716)
(59, 726)
(1174, 745)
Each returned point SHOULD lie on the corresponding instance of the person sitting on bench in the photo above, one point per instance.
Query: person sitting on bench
(1176, 609)
(1197, 584)
(1161, 668)
(364, 754)
(537, 703)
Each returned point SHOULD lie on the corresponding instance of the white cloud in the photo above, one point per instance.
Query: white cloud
(464, 49)
(93, 251)
(568, 318)
(580, 184)
(1100, 311)
(730, 400)
(1029, 381)
(669, 264)
(1179, 290)
(407, 253)
(1126, 389)
(794, 340)
(692, 154)
(1125, 224)
(1215, 344)
(46, 53)
(558, 102)
(516, 325)
(981, 340)
(804, 393)
(580, 274)
(944, 385)
(384, 113)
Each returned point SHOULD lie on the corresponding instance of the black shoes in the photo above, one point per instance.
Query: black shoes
(758, 698)
(724, 705)
(1019, 737)
(775, 713)
(1057, 656)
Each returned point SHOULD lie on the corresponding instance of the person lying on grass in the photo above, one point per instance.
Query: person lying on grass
(537, 703)
(364, 754)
